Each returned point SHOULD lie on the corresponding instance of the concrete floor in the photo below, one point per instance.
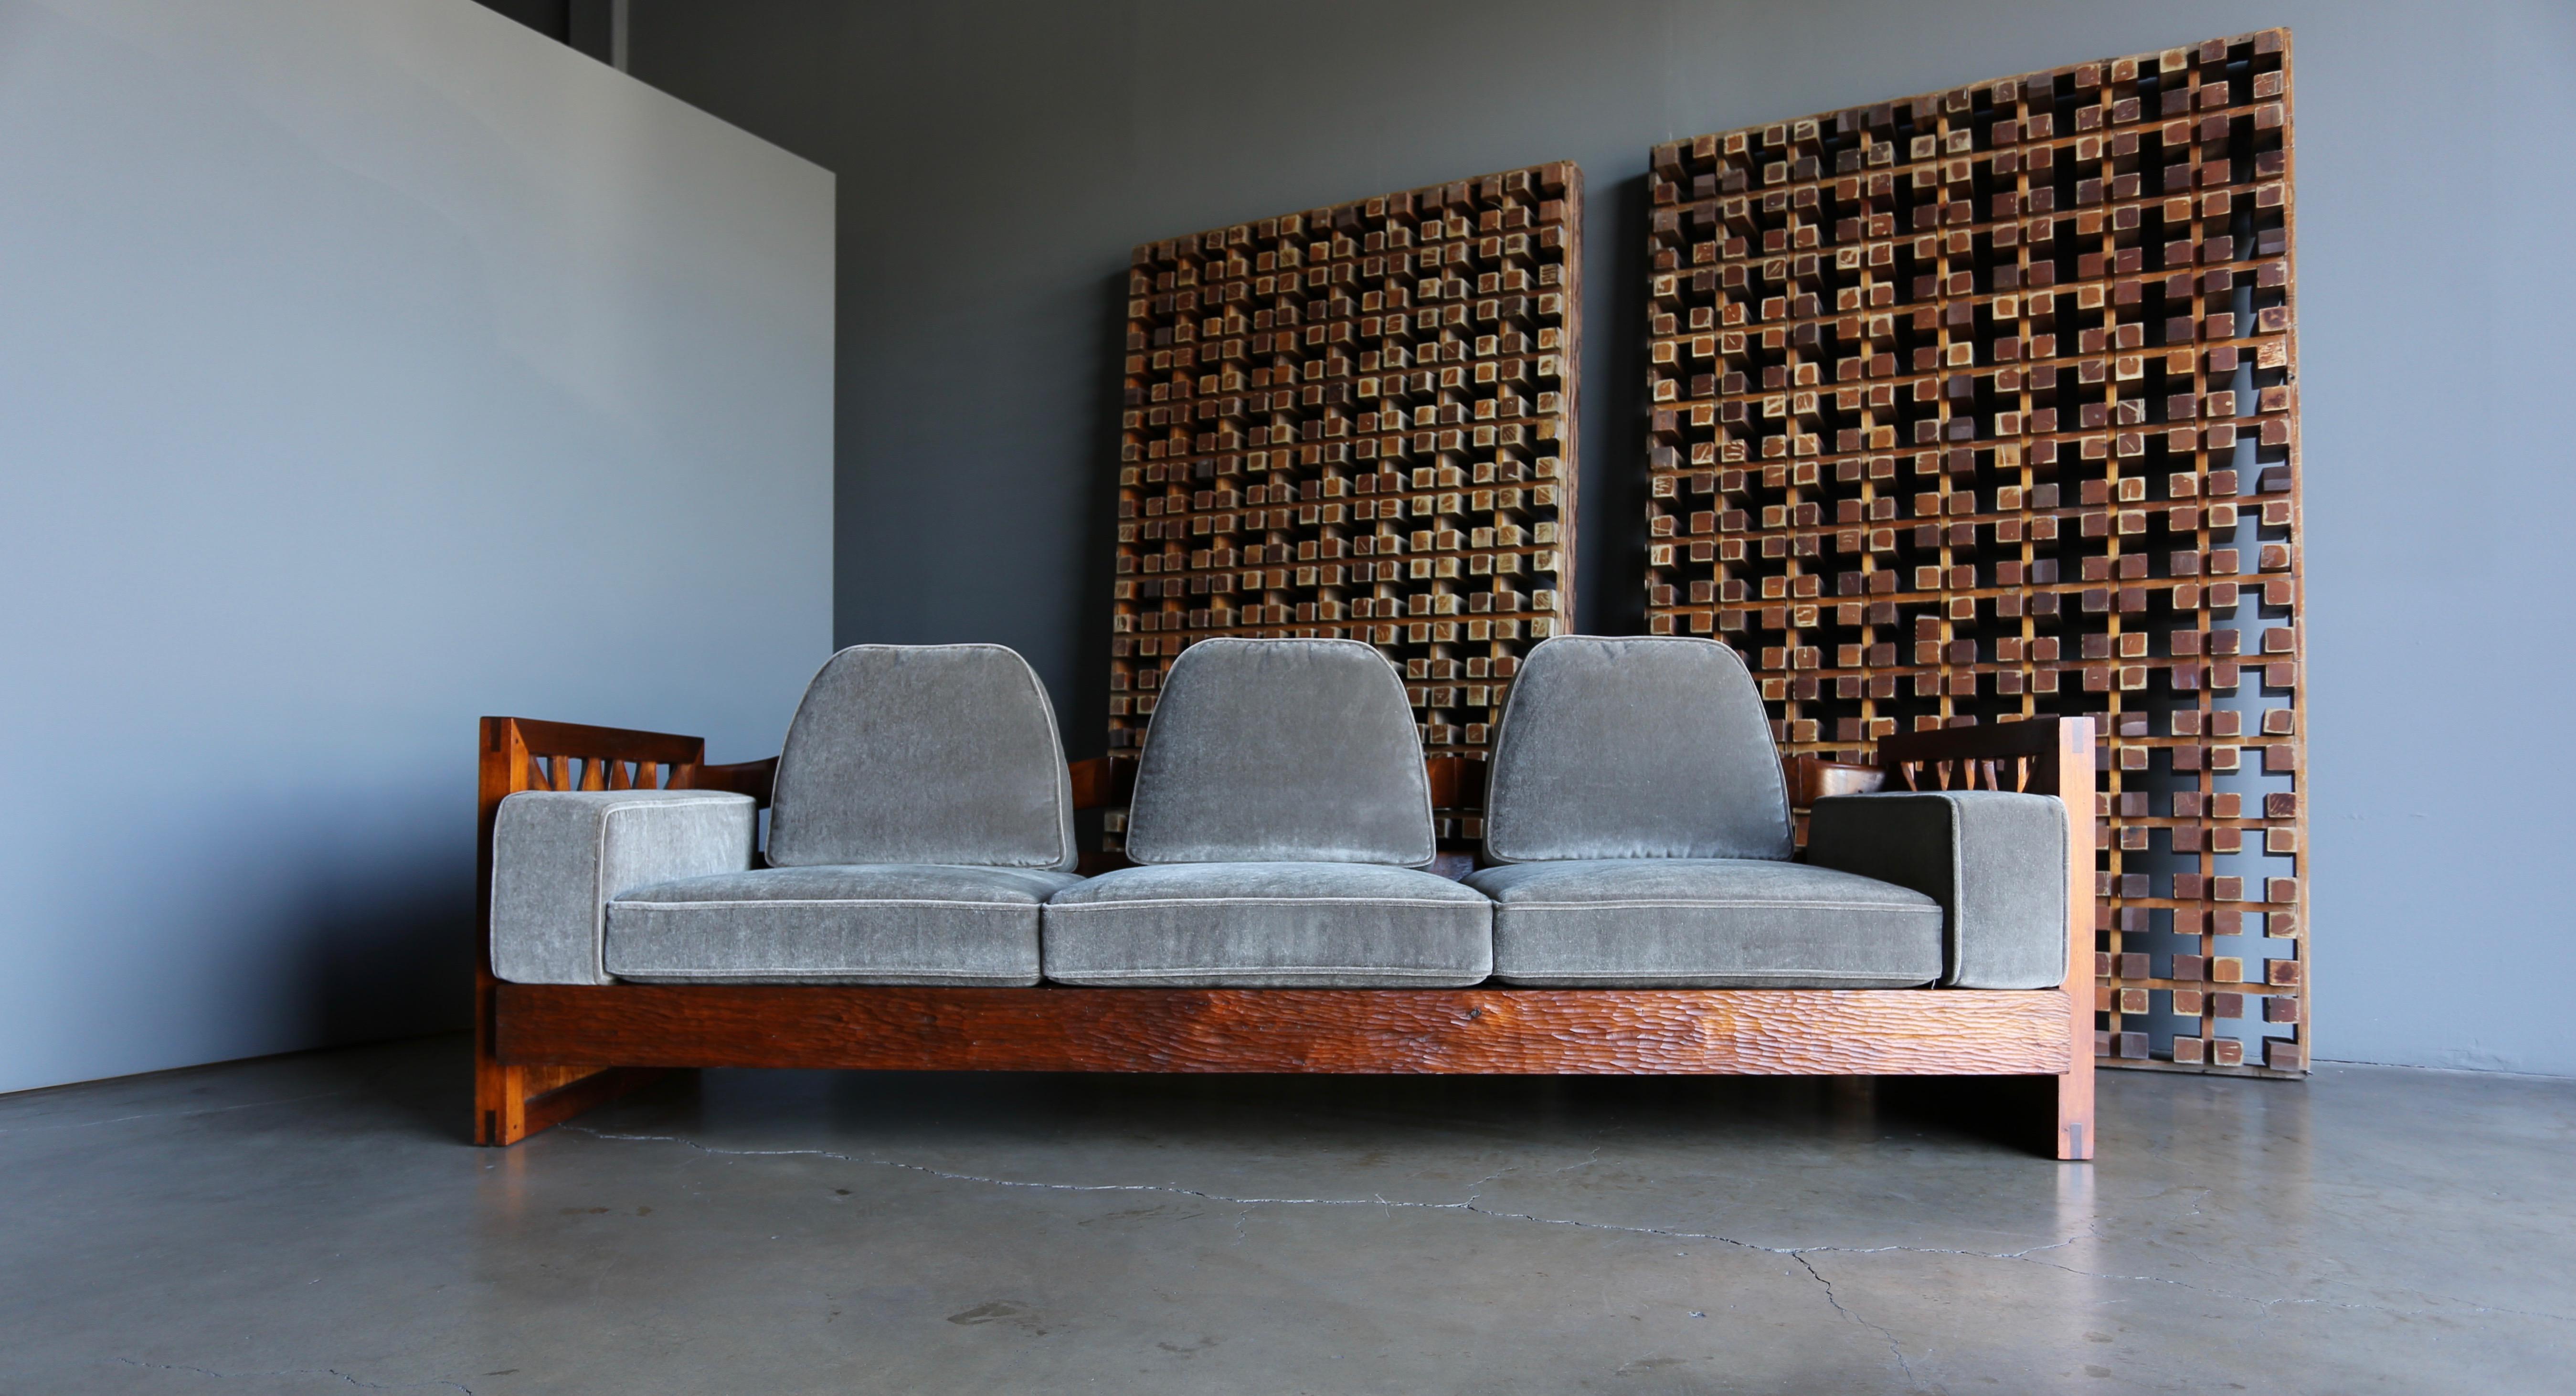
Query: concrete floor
(311, 1224)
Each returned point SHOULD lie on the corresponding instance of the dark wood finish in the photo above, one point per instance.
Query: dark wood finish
(1394, 1031)
(544, 742)
(753, 778)
(1357, 422)
(547, 1052)
(1812, 778)
(1110, 781)
(1457, 783)
(1103, 781)
(1981, 404)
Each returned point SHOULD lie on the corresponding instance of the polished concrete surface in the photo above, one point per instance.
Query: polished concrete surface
(314, 1224)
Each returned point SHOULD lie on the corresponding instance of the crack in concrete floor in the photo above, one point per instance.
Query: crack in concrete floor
(2221, 1255)
(1894, 1347)
(1475, 1190)
(2028, 1255)
(299, 1372)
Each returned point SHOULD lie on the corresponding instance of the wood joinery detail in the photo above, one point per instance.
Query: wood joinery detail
(1980, 406)
(1356, 422)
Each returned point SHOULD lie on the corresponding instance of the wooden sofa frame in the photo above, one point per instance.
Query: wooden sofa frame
(544, 1053)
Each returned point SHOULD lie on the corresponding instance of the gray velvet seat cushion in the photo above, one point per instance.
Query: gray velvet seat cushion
(1707, 923)
(903, 923)
(1647, 747)
(1996, 861)
(923, 754)
(558, 856)
(1270, 925)
(1281, 751)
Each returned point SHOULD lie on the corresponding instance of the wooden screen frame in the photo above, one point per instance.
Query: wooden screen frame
(547, 1052)
(1382, 451)
(1923, 453)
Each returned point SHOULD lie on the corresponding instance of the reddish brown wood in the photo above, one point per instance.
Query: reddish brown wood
(1357, 422)
(1457, 783)
(1103, 781)
(1961, 403)
(590, 1086)
(574, 739)
(753, 778)
(512, 1100)
(547, 1052)
(1812, 778)
(1391, 1031)
(2071, 768)
(2046, 756)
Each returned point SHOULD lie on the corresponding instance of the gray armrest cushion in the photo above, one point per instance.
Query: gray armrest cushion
(1995, 861)
(558, 856)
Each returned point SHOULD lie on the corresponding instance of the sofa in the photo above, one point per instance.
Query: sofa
(1640, 901)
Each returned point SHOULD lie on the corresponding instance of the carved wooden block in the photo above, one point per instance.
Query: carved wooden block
(1981, 405)
(1357, 422)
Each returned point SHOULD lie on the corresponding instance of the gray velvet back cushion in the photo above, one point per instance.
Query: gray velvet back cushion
(1281, 751)
(923, 754)
(1635, 748)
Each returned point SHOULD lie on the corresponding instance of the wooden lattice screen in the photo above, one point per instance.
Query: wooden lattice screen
(1980, 404)
(1357, 422)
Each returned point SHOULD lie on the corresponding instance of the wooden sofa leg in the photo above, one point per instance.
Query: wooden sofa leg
(2075, 1105)
(512, 1102)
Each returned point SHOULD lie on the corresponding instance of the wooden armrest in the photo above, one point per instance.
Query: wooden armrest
(521, 753)
(525, 754)
(601, 743)
(1812, 778)
(2041, 755)
(753, 778)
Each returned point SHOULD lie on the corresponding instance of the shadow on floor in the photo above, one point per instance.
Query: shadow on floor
(2007, 1114)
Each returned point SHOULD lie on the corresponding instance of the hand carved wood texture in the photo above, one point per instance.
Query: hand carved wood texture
(1980, 405)
(1528, 1031)
(1356, 422)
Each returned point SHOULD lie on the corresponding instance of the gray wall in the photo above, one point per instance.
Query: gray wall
(363, 368)
(998, 159)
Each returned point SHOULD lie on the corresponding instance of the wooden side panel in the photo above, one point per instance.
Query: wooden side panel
(2040, 756)
(1982, 405)
(1357, 422)
(514, 1099)
(1497, 1031)
(2073, 779)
